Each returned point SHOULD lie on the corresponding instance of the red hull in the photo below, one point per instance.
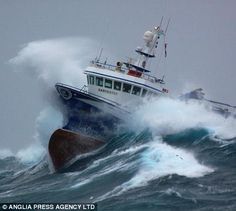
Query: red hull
(65, 146)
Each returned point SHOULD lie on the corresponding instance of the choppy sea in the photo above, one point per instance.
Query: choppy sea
(169, 156)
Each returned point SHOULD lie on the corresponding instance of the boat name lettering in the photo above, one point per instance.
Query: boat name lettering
(107, 91)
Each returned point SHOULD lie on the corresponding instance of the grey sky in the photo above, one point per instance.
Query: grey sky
(201, 47)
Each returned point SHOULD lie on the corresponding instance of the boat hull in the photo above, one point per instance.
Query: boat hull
(66, 147)
(90, 121)
(89, 114)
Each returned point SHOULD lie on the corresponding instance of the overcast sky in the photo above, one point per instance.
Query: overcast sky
(201, 47)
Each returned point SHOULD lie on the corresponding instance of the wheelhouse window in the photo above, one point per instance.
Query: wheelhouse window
(99, 81)
(144, 93)
(91, 79)
(87, 79)
(108, 83)
(127, 87)
(117, 85)
(136, 90)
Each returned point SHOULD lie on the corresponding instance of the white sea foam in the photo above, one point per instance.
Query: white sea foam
(169, 116)
(28, 155)
(47, 122)
(161, 159)
(172, 191)
(5, 153)
(32, 154)
(117, 165)
(56, 60)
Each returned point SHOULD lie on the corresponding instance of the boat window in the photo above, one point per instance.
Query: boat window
(117, 85)
(144, 92)
(127, 87)
(136, 90)
(91, 79)
(87, 79)
(99, 81)
(108, 83)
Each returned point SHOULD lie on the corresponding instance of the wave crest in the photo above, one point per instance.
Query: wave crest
(169, 116)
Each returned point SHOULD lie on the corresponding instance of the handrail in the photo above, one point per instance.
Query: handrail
(107, 66)
(83, 89)
(148, 77)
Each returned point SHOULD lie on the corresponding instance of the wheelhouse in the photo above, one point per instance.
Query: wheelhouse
(119, 87)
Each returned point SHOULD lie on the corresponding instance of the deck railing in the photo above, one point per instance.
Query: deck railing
(124, 70)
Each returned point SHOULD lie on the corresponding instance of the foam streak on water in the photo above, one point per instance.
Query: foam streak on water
(159, 160)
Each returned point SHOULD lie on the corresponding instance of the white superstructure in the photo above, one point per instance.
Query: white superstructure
(127, 83)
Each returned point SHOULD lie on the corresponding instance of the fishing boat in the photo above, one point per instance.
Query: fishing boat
(112, 92)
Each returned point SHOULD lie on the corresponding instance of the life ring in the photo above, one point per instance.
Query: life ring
(65, 93)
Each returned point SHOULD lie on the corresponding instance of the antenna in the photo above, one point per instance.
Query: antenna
(165, 43)
(161, 21)
(167, 25)
(100, 49)
(163, 77)
(164, 49)
(100, 54)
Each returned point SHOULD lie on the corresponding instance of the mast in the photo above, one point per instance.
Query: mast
(148, 51)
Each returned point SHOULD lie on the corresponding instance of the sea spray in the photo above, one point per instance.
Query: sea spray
(5, 153)
(50, 61)
(28, 156)
(32, 154)
(47, 122)
(168, 116)
(158, 160)
(57, 60)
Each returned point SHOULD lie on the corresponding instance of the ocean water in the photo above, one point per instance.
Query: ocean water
(168, 155)
(165, 161)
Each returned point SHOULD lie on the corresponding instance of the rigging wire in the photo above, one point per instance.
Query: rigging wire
(164, 48)
(100, 46)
